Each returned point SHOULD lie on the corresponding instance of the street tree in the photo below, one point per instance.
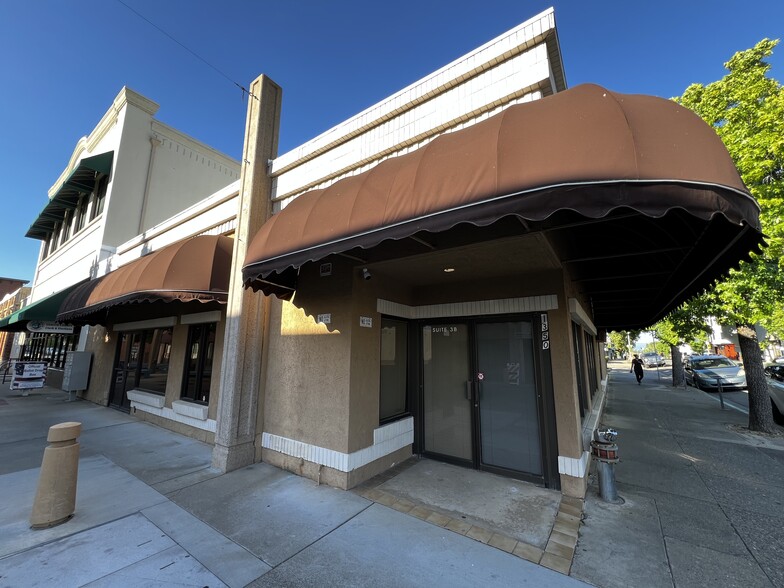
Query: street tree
(686, 324)
(623, 340)
(746, 108)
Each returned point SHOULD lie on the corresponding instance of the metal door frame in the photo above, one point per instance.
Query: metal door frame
(543, 383)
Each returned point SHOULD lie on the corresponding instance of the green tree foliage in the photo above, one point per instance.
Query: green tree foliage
(686, 324)
(623, 341)
(746, 108)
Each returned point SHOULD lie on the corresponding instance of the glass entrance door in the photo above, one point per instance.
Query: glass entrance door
(446, 391)
(125, 368)
(481, 400)
(508, 397)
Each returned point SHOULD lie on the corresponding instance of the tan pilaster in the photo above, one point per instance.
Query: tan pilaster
(567, 407)
(242, 349)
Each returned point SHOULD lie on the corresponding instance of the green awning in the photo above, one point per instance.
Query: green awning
(81, 181)
(45, 309)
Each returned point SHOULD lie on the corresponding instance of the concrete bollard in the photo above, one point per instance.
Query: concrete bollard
(55, 500)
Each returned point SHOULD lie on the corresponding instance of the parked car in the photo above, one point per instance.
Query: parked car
(652, 359)
(705, 371)
(775, 371)
(776, 390)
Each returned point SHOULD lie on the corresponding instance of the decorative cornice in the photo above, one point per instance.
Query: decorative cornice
(164, 131)
(126, 96)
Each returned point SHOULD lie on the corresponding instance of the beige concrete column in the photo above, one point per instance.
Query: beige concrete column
(55, 499)
(242, 348)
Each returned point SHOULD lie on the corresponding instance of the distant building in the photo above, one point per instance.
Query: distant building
(13, 294)
(129, 175)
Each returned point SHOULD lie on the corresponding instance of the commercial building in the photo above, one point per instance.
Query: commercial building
(13, 293)
(132, 189)
(433, 276)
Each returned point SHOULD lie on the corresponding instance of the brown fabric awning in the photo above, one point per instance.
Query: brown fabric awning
(192, 270)
(586, 150)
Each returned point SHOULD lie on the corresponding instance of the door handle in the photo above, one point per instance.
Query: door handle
(468, 389)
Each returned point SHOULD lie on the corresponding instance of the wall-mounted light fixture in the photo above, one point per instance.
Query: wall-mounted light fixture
(366, 275)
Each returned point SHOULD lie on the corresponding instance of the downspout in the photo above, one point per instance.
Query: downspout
(155, 143)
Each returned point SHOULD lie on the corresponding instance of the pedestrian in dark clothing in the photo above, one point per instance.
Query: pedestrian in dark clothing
(637, 368)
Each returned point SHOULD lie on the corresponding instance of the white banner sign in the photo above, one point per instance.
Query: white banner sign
(28, 374)
(49, 327)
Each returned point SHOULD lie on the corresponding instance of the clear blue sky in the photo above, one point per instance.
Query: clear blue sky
(63, 63)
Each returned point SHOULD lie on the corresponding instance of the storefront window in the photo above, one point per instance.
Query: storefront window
(198, 362)
(49, 348)
(394, 369)
(155, 360)
(590, 352)
(142, 361)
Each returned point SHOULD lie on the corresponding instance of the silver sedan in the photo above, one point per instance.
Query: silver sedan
(706, 371)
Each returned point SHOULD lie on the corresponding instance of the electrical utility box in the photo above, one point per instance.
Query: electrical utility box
(76, 373)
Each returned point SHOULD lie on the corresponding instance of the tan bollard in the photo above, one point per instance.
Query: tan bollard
(55, 500)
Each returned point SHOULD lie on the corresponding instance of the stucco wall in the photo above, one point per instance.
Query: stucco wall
(365, 366)
(183, 173)
(145, 191)
(308, 368)
(176, 363)
(123, 203)
(71, 263)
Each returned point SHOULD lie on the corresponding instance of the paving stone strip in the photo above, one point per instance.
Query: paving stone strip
(558, 552)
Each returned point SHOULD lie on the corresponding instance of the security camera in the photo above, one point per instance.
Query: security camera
(366, 273)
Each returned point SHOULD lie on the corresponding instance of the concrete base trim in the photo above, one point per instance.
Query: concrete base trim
(146, 398)
(572, 466)
(387, 439)
(168, 413)
(190, 409)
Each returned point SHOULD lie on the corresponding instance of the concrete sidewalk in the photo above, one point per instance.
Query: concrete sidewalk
(704, 500)
(150, 511)
(703, 507)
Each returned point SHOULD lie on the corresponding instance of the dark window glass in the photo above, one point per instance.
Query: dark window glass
(579, 364)
(394, 369)
(198, 362)
(155, 360)
(81, 213)
(67, 220)
(590, 352)
(55, 237)
(142, 362)
(99, 196)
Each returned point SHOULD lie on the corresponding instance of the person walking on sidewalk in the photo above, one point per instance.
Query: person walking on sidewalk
(637, 368)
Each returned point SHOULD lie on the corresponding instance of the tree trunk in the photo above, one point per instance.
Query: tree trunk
(678, 375)
(760, 411)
